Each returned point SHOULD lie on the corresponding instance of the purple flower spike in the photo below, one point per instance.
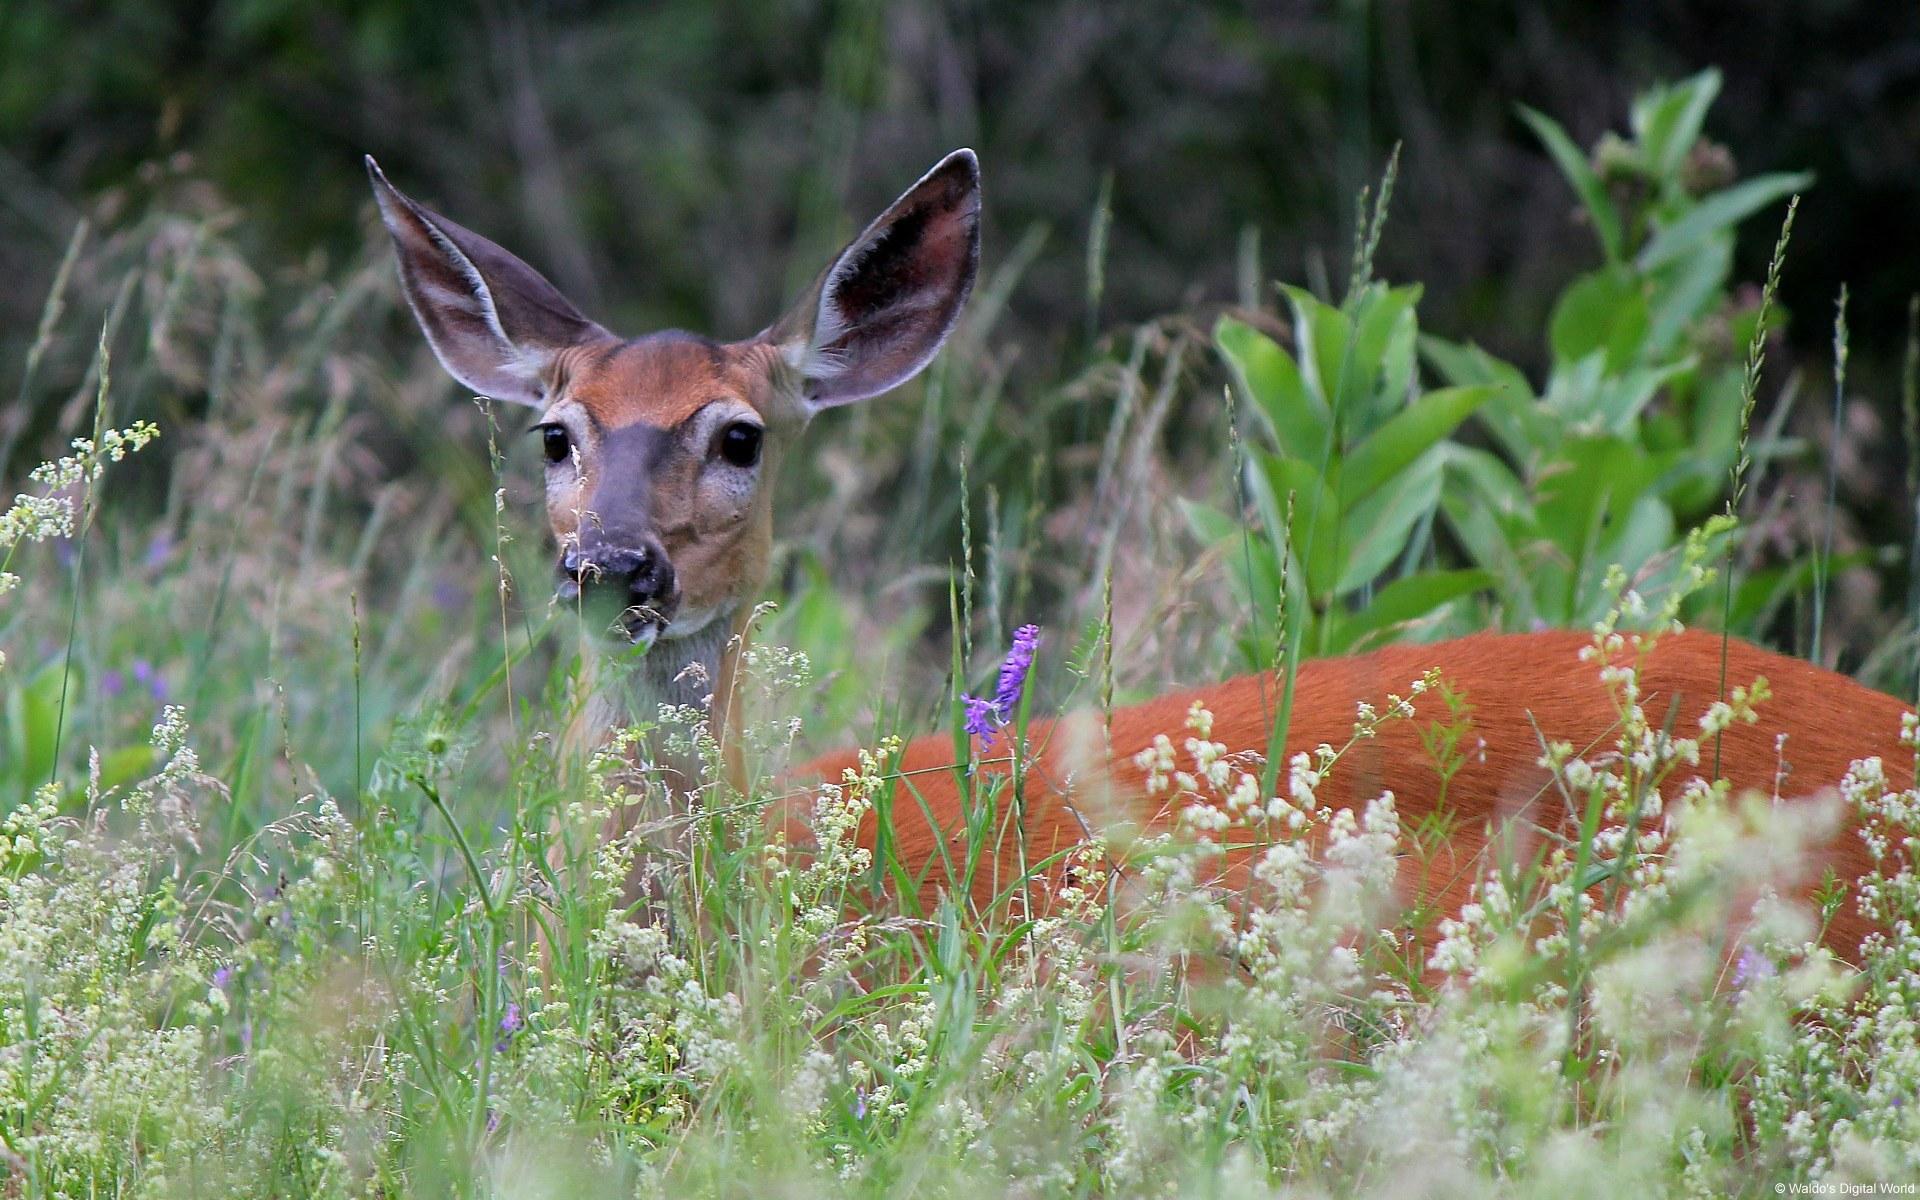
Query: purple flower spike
(159, 550)
(222, 977)
(145, 674)
(510, 1023)
(1013, 672)
(985, 718)
(981, 719)
(1752, 967)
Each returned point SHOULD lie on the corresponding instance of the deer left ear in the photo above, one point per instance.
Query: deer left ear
(888, 302)
(494, 322)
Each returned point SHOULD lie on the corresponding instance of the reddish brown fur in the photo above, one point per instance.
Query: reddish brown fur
(1513, 682)
(663, 380)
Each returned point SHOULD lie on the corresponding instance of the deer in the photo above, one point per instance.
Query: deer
(661, 452)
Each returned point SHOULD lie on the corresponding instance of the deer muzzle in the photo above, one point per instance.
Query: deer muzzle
(629, 587)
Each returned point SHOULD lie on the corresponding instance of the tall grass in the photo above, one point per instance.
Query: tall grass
(316, 902)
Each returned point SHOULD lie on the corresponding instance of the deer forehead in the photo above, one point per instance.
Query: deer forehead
(662, 379)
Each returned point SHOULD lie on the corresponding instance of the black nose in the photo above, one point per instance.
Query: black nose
(640, 576)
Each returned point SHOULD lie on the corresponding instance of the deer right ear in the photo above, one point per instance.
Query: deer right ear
(890, 299)
(494, 322)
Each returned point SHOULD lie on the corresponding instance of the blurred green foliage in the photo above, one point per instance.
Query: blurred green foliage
(1356, 471)
(685, 162)
(314, 564)
(694, 164)
(1630, 442)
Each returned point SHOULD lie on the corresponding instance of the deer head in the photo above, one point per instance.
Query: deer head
(661, 449)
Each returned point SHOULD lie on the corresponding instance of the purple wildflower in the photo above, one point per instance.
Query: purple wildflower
(159, 550)
(145, 674)
(981, 718)
(510, 1023)
(985, 718)
(1013, 671)
(1752, 966)
(859, 1104)
(222, 977)
(112, 682)
(448, 597)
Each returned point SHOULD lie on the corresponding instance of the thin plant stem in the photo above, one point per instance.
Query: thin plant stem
(1823, 560)
(504, 578)
(88, 502)
(1749, 394)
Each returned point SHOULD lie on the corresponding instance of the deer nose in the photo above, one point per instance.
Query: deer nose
(639, 576)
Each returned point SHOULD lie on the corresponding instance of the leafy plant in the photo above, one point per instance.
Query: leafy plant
(1351, 477)
(1633, 435)
(1629, 441)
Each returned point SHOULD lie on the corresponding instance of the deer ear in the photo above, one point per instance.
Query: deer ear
(494, 322)
(890, 299)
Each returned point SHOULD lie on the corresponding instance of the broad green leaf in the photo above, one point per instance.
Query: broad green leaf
(1400, 362)
(1315, 531)
(1631, 541)
(1667, 120)
(1589, 400)
(1487, 478)
(1406, 599)
(1717, 415)
(1685, 290)
(33, 713)
(1409, 434)
(125, 765)
(1252, 559)
(1491, 526)
(1381, 364)
(1592, 475)
(1597, 481)
(1716, 214)
(1620, 399)
(1258, 564)
(1209, 525)
(1269, 381)
(1700, 92)
(1321, 335)
(1606, 310)
(1492, 516)
(1573, 392)
(1509, 414)
(1572, 162)
(1377, 528)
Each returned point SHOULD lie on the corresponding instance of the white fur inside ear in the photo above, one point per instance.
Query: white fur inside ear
(516, 361)
(887, 303)
(831, 321)
(480, 298)
(812, 360)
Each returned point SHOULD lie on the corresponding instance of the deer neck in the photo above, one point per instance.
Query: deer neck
(678, 683)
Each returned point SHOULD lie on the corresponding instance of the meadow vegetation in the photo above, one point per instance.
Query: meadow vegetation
(298, 894)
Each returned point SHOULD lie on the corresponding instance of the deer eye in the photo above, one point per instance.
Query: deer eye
(555, 443)
(740, 443)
